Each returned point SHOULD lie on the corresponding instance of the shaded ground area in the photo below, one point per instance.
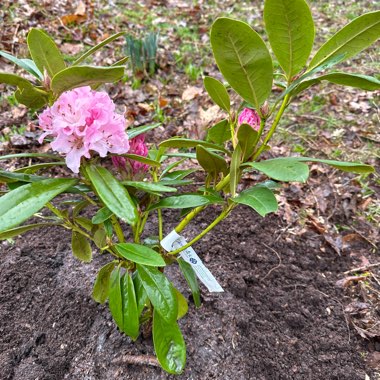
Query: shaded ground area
(281, 316)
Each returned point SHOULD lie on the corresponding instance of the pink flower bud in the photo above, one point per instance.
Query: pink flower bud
(250, 117)
(138, 146)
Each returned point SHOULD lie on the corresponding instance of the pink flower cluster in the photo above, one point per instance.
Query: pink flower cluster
(81, 121)
(250, 117)
(136, 146)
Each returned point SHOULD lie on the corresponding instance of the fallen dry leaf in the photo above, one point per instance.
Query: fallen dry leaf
(191, 93)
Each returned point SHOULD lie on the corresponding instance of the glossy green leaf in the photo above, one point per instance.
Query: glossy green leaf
(26, 64)
(101, 215)
(78, 76)
(186, 201)
(183, 307)
(177, 142)
(235, 171)
(44, 52)
(171, 166)
(356, 36)
(191, 278)
(247, 137)
(290, 29)
(141, 296)
(176, 182)
(261, 199)
(115, 301)
(150, 187)
(131, 323)
(102, 284)
(30, 155)
(243, 59)
(97, 47)
(283, 169)
(100, 237)
(363, 82)
(160, 292)
(353, 167)
(140, 254)
(32, 97)
(14, 80)
(81, 247)
(211, 162)
(36, 167)
(20, 204)
(8, 234)
(177, 175)
(142, 159)
(84, 222)
(9, 177)
(220, 132)
(113, 193)
(133, 132)
(169, 344)
(218, 93)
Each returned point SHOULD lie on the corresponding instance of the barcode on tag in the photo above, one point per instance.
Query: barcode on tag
(174, 241)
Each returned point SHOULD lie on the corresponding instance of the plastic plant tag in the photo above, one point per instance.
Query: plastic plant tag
(174, 241)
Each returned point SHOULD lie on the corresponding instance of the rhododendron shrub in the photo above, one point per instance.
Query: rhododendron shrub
(118, 183)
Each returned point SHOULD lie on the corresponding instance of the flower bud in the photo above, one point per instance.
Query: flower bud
(264, 109)
(250, 117)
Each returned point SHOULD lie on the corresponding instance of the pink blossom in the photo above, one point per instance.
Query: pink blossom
(81, 121)
(250, 117)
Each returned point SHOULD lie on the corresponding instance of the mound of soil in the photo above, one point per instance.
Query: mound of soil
(280, 317)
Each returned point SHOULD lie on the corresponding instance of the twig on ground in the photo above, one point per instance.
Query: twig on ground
(137, 359)
(277, 266)
(363, 268)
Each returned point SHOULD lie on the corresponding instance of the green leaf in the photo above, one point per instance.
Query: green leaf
(243, 59)
(32, 97)
(8, 234)
(140, 254)
(26, 93)
(247, 137)
(353, 167)
(30, 155)
(169, 344)
(178, 142)
(20, 204)
(282, 169)
(211, 162)
(101, 215)
(218, 93)
(97, 47)
(160, 292)
(26, 64)
(261, 199)
(44, 52)
(360, 33)
(133, 132)
(142, 159)
(177, 175)
(100, 237)
(113, 193)
(115, 301)
(84, 222)
(81, 247)
(183, 307)
(78, 76)
(235, 169)
(290, 29)
(191, 278)
(150, 187)
(220, 132)
(103, 282)
(186, 201)
(141, 296)
(131, 323)
(363, 82)
(36, 167)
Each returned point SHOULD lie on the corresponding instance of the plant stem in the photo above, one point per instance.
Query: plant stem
(117, 228)
(273, 127)
(159, 212)
(190, 216)
(222, 216)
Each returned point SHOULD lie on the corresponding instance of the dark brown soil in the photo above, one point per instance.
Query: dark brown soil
(278, 319)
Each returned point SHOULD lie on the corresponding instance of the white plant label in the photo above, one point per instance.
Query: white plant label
(174, 241)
